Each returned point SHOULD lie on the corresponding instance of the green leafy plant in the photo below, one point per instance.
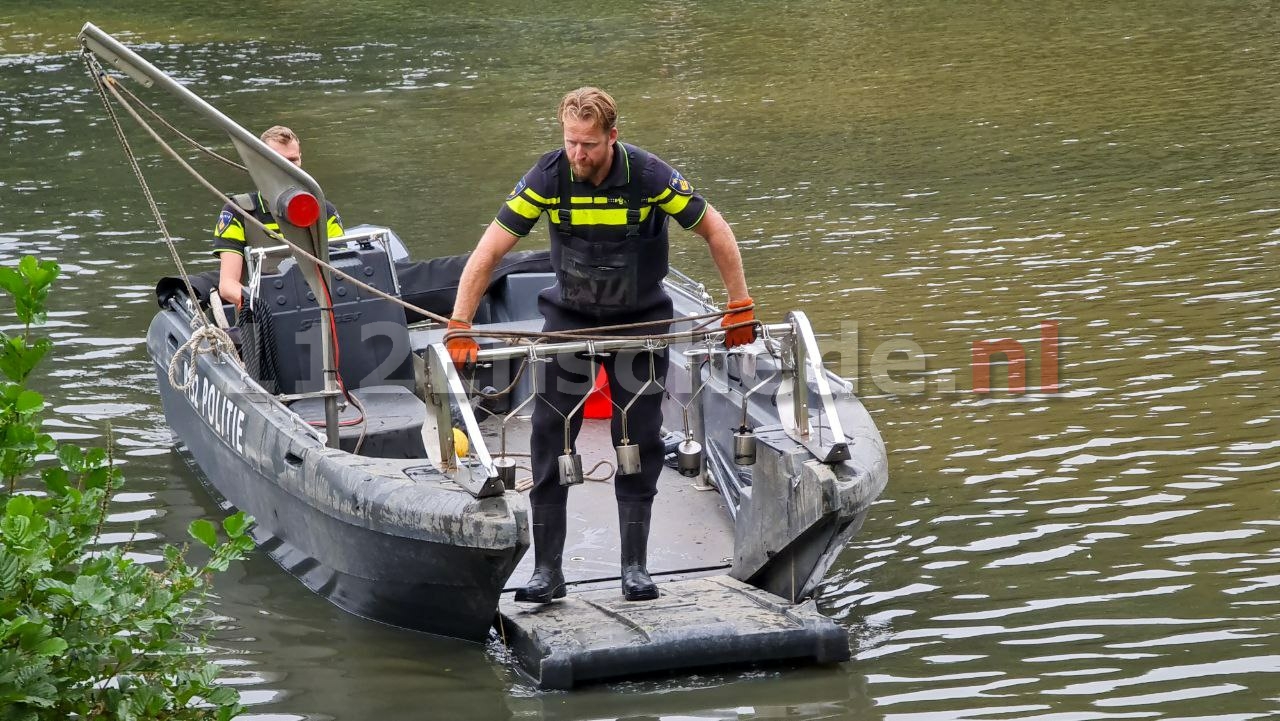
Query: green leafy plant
(85, 631)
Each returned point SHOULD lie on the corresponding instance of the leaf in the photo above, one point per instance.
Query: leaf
(204, 531)
(18, 359)
(53, 586)
(45, 272)
(90, 591)
(29, 402)
(95, 457)
(11, 280)
(219, 562)
(95, 478)
(27, 265)
(223, 696)
(235, 525)
(9, 627)
(72, 457)
(20, 505)
(50, 647)
(55, 479)
(207, 674)
(17, 529)
(9, 569)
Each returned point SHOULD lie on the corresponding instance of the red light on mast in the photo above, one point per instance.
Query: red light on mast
(299, 207)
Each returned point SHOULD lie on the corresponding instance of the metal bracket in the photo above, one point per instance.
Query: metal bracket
(479, 477)
(827, 441)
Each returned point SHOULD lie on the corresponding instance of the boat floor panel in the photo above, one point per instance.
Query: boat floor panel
(692, 531)
(715, 621)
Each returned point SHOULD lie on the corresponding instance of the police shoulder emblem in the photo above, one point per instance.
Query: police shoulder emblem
(679, 184)
(224, 222)
(520, 186)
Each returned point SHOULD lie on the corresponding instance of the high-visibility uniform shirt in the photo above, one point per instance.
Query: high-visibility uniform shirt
(600, 213)
(229, 235)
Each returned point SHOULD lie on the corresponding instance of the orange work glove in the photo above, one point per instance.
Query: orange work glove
(462, 349)
(739, 336)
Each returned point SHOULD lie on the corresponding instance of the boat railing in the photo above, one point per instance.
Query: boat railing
(803, 386)
(679, 280)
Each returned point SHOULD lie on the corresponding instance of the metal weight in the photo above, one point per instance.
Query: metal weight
(689, 456)
(744, 447)
(628, 459)
(570, 469)
(506, 468)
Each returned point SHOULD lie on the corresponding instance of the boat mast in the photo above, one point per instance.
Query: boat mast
(276, 178)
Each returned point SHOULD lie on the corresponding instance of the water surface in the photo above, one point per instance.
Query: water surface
(917, 178)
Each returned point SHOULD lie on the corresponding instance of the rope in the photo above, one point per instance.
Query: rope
(102, 80)
(205, 339)
(599, 333)
(194, 143)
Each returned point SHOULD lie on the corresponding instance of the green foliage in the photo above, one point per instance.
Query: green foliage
(86, 632)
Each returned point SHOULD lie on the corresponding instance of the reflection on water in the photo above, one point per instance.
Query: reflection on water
(918, 179)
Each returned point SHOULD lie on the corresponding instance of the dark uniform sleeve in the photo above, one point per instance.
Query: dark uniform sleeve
(228, 233)
(531, 197)
(674, 195)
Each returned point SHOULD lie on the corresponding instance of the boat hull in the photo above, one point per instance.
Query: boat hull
(383, 539)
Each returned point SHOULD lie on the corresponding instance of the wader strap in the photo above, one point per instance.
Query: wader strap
(563, 171)
(636, 185)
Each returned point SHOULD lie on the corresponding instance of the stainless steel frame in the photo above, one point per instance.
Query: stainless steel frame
(804, 382)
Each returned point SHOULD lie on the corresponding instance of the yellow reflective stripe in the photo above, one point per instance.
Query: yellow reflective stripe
(233, 231)
(524, 208)
(661, 198)
(676, 204)
(599, 216)
(334, 227)
(596, 200)
(537, 198)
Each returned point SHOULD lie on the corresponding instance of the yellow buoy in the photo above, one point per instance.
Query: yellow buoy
(460, 443)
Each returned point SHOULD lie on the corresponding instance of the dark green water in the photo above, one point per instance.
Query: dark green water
(916, 177)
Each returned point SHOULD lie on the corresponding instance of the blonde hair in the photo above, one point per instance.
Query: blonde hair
(279, 134)
(589, 103)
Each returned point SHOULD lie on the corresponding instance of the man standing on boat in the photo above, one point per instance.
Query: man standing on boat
(231, 234)
(607, 204)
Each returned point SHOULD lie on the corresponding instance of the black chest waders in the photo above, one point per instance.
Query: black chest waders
(608, 277)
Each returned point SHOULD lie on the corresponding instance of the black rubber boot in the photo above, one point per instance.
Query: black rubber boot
(633, 526)
(547, 582)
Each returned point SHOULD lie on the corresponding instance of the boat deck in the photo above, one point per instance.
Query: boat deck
(703, 618)
(691, 535)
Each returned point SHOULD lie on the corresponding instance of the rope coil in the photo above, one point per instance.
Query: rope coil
(205, 339)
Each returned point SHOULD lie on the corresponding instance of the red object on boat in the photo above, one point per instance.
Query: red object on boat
(599, 400)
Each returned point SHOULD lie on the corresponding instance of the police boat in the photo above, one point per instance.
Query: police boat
(390, 483)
